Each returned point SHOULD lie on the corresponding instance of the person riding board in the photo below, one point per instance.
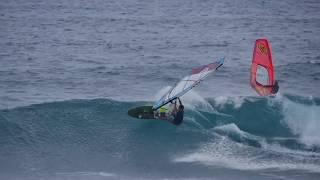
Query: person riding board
(175, 116)
(177, 113)
(275, 87)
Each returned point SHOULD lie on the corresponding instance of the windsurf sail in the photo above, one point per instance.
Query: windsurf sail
(187, 83)
(262, 77)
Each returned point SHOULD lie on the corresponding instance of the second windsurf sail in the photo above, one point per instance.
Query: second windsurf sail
(262, 78)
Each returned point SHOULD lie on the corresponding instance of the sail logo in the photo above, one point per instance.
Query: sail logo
(263, 49)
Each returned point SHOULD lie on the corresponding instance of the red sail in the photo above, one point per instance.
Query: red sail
(262, 62)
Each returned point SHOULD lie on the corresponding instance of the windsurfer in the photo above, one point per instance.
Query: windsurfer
(177, 113)
(173, 114)
(262, 59)
(275, 87)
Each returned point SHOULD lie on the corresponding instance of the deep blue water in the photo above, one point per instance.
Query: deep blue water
(70, 70)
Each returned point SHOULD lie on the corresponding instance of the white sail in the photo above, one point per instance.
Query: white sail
(187, 83)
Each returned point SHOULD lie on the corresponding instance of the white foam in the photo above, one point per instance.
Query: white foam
(278, 98)
(87, 173)
(193, 100)
(274, 147)
(230, 128)
(237, 102)
(234, 129)
(226, 153)
(303, 121)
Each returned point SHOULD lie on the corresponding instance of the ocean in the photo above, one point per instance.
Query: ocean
(70, 70)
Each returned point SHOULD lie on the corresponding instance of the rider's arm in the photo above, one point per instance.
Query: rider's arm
(179, 101)
(175, 106)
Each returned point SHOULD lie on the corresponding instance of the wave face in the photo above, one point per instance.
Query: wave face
(272, 136)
